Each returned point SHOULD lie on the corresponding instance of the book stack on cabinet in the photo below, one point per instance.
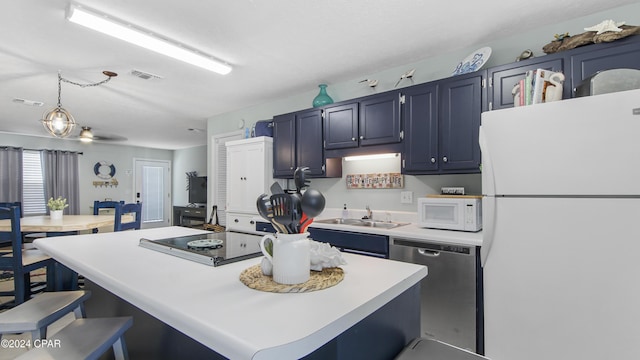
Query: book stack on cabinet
(538, 86)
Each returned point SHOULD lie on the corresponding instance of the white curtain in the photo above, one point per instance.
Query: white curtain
(10, 174)
(61, 177)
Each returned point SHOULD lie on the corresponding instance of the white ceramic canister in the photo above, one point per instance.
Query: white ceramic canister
(291, 263)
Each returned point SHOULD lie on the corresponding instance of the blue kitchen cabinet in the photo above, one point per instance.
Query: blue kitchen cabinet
(577, 65)
(503, 78)
(284, 145)
(353, 242)
(421, 124)
(369, 121)
(459, 111)
(379, 119)
(443, 120)
(309, 151)
(341, 126)
(297, 142)
(588, 60)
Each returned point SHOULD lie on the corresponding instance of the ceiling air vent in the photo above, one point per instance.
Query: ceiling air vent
(144, 75)
(27, 102)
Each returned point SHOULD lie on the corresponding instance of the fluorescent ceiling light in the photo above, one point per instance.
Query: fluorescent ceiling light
(371, 157)
(143, 38)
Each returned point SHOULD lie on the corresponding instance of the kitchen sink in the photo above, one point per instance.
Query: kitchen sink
(363, 222)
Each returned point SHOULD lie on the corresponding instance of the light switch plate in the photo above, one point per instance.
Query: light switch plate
(406, 197)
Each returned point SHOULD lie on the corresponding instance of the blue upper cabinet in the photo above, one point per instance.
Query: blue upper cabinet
(460, 106)
(380, 119)
(434, 125)
(442, 121)
(503, 78)
(576, 64)
(587, 61)
(421, 124)
(341, 126)
(309, 141)
(297, 142)
(284, 145)
(373, 120)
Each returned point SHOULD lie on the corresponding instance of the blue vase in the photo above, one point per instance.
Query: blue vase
(322, 98)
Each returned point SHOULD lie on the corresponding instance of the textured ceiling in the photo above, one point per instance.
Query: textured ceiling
(291, 45)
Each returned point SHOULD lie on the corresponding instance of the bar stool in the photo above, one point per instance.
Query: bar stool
(37, 314)
(81, 339)
(85, 339)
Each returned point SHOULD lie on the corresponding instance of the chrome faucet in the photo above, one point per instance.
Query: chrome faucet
(369, 213)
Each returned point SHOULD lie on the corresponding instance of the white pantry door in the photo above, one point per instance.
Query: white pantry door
(153, 189)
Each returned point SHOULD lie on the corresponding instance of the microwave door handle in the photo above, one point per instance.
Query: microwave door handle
(489, 219)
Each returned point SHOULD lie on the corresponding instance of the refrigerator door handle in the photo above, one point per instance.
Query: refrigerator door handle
(488, 179)
(489, 219)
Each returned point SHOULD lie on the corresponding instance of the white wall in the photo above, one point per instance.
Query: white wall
(505, 49)
(187, 160)
(118, 155)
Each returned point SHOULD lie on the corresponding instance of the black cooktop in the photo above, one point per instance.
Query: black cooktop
(211, 249)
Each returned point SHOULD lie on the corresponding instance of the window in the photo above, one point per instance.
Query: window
(33, 201)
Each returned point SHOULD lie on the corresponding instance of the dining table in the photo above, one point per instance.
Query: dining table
(67, 225)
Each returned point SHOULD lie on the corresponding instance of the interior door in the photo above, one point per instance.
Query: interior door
(153, 189)
(218, 187)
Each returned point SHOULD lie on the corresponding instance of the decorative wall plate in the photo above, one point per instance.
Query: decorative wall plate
(473, 61)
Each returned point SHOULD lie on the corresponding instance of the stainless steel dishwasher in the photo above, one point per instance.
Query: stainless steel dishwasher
(451, 309)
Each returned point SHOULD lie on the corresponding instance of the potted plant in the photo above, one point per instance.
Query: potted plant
(56, 206)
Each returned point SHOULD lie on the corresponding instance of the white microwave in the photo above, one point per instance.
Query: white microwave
(450, 212)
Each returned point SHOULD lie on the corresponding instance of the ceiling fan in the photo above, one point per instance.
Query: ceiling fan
(87, 135)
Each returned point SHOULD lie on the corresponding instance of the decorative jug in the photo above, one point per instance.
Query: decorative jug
(290, 260)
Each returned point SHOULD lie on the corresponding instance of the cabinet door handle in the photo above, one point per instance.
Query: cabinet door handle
(361, 137)
(353, 139)
(433, 160)
(444, 158)
(236, 221)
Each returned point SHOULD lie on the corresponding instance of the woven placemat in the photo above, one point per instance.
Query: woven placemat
(253, 278)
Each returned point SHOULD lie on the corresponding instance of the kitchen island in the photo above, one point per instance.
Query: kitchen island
(372, 313)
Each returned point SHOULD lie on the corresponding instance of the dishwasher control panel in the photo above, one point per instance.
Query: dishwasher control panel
(432, 246)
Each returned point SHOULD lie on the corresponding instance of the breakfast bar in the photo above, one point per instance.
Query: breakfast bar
(372, 313)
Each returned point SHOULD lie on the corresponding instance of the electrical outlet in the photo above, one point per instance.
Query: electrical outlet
(406, 197)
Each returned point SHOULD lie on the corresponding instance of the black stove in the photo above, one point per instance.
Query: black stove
(212, 249)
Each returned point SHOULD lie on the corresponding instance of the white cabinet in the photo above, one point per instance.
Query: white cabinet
(241, 222)
(241, 244)
(249, 174)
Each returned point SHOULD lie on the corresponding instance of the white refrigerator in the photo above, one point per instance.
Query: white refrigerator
(561, 229)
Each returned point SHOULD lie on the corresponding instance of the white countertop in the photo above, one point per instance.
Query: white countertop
(212, 306)
(413, 232)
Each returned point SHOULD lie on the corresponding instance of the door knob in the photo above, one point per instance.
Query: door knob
(433, 160)
(444, 158)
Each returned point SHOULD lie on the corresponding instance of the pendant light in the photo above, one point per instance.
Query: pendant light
(58, 121)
